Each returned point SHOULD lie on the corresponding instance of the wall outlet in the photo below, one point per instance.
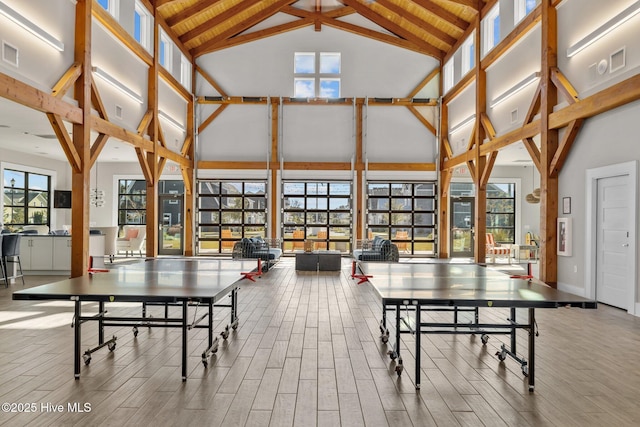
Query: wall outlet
(575, 268)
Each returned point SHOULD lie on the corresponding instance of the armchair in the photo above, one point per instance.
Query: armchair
(493, 249)
(110, 240)
(133, 239)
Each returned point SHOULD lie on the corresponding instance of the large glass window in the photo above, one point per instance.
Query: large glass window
(468, 54)
(142, 25)
(26, 199)
(447, 72)
(522, 8)
(165, 52)
(406, 213)
(501, 208)
(501, 212)
(132, 202)
(185, 72)
(491, 29)
(317, 74)
(110, 6)
(229, 211)
(319, 211)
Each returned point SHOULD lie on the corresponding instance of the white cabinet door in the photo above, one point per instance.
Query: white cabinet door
(62, 253)
(25, 252)
(41, 250)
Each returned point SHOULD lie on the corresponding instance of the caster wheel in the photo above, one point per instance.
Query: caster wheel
(135, 331)
(525, 371)
(205, 363)
(234, 327)
(484, 339)
(384, 338)
(399, 369)
(501, 355)
(392, 355)
(87, 359)
(111, 346)
(225, 334)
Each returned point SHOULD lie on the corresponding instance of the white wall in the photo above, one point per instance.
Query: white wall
(315, 133)
(607, 139)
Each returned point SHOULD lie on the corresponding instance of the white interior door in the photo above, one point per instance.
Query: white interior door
(613, 280)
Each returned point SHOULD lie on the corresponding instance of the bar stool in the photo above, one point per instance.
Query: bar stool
(4, 274)
(11, 254)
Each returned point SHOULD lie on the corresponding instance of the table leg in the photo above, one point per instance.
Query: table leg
(532, 348)
(77, 338)
(184, 340)
(101, 322)
(418, 345)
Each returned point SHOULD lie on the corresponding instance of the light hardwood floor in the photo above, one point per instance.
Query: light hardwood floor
(308, 353)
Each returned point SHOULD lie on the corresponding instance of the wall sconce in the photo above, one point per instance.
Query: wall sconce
(515, 89)
(171, 120)
(117, 84)
(31, 27)
(462, 123)
(605, 29)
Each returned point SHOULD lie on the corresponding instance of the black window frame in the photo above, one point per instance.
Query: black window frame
(24, 206)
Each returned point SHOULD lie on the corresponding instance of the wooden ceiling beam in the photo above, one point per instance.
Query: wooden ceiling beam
(97, 147)
(424, 49)
(391, 26)
(401, 167)
(607, 99)
(429, 28)
(534, 151)
(262, 34)
(189, 12)
(109, 22)
(228, 14)
(423, 120)
(96, 100)
(211, 118)
(29, 96)
(67, 81)
(519, 32)
(103, 126)
(65, 141)
(424, 82)
(241, 26)
(488, 167)
(443, 14)
(564, 86)
(565, 147)
(472, 4)
(210, 80)
(165, 153)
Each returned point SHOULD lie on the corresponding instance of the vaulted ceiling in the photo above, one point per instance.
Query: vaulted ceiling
(432, 27)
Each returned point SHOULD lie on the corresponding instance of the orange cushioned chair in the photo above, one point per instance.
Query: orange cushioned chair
(493, 249)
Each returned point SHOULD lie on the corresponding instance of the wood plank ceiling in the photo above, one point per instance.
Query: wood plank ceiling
(431, 27)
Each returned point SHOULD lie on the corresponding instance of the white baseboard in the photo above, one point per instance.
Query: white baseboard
(581, 292)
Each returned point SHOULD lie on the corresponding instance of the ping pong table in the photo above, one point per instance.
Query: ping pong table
(183, 282)
(415, 288)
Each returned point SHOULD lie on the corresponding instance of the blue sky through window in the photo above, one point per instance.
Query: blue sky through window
(496, 30)
(330, 63)
(305, 88)
(305, 63)
(161, 52)
(137, 31)
(104, 4)
(530, 5)
(329, 88)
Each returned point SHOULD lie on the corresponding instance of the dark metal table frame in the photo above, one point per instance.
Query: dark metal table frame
(417, 326)
(190, 298)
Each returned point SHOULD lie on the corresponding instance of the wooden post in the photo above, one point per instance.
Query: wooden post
(444, 234)
(548, 147)
(81, 140)
(359, 165)
(274, 164)
(480, 225)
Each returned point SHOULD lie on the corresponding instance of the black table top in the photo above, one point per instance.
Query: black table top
(468, 285)
(154, 280)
